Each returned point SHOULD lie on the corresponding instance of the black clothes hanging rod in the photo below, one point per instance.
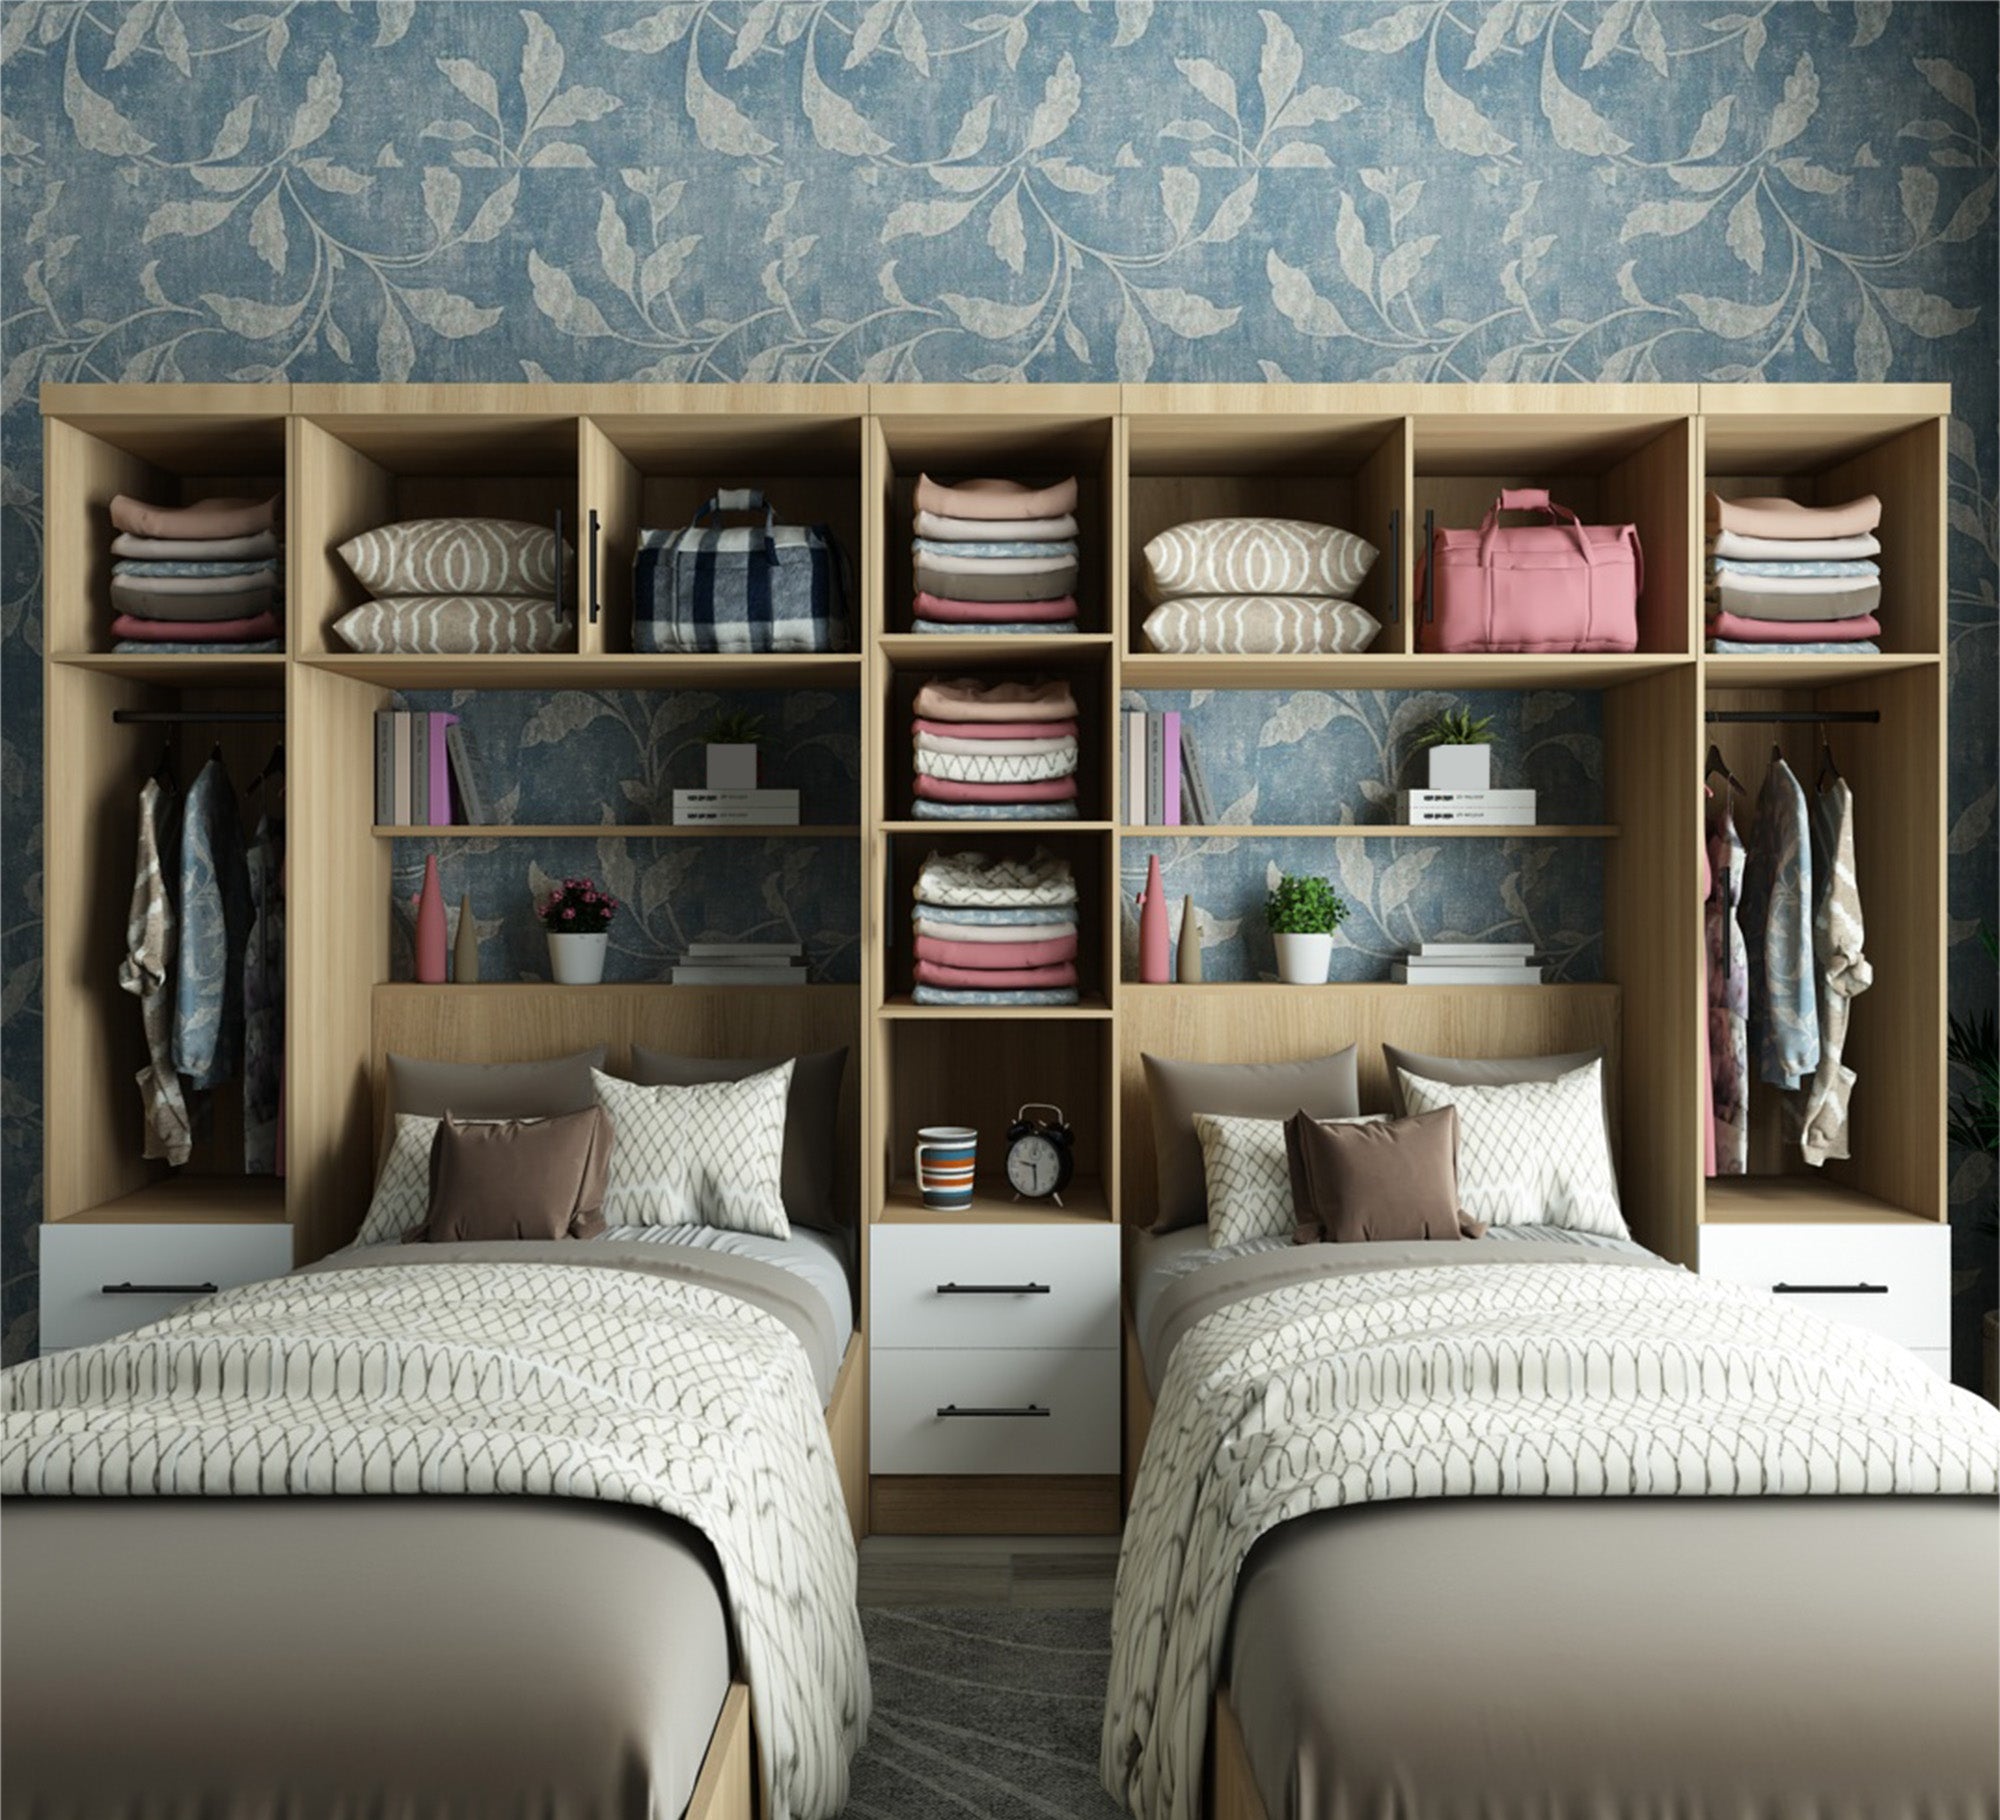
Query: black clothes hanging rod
(197, 717)
(1795, 717)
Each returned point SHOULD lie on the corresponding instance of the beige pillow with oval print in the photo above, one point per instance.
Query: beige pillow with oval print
(456, 556)
(1260, 625)
(1256, 556)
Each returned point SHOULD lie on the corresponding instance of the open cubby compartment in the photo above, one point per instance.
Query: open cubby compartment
(1352, 472)
(1085, 667)
(356, 471)
(1034, 448)
(1823, 459)
(164, 460)
(940, 1073)
(1895, 1038)
(1091, 856)
(1611, 468)
(92, 1030)
(654, 472)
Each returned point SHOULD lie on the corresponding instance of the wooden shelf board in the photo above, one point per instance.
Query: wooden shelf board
(193, 1200)
(1371, 831)
(614, 830)
(993, 1204)
(902, 1005)
(1732, 670)
(994, 651)
(242, 670)
(541, 988)
(1808, 1200)
(604, 670)
(995, 827)
(1127, 987)
(1394, 670)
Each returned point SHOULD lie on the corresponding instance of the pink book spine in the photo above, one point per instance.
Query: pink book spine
(440, 759)
(1171, 745)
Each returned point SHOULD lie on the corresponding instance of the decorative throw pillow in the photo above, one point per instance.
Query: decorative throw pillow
(1260, 625)
(403, 1188)
(1374, 1178)
(812, 1112)
(1247, 1171)
(1533, 1153)
(1486, 1071)
(517, 1179)
(1256, 556)
(490, 1090)
(711, 1155)
(456, 556)
(1323, 1086)
(461, 625)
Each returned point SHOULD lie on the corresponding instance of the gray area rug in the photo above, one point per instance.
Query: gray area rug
(987, 1714)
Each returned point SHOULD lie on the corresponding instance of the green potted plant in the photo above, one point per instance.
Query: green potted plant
(1461, 750)
(732, 750)
(1303, 913)
(577, 916)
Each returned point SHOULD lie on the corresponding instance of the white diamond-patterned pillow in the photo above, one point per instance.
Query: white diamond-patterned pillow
(1533, 1153)
(402, 1200)
(708, 1155)
(1249, 1176)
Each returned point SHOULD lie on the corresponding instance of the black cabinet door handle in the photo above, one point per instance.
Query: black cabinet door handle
(594, 605)
(1829, 1288)
(993, 1289)
(1395, 565)
(1026, 1409)
(559, 560)
(157, 1289)
(1430, 567)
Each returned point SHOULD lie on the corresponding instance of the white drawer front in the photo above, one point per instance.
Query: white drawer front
(980, 1286)
(920, 1406)
(85, 1269)
(1894, 1280)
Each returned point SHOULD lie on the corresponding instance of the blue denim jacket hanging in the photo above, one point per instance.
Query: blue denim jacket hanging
(215, 927)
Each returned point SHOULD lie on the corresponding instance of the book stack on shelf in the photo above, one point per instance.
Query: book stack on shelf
(1468, 964)
(1164, 785)
(737, 808)
(1466, 808)
(424, 772)
(742, 964)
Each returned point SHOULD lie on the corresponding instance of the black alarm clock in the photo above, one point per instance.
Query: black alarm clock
(1041, 1154)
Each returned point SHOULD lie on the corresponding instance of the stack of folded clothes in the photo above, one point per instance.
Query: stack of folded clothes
(995, 931)
(1790, 578)
(205, 577)
(995, 751)
(995, 556)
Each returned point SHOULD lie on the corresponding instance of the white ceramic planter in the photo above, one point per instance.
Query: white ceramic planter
(578, 960)
(732, 767)
(1459, 767)
(1304, 960)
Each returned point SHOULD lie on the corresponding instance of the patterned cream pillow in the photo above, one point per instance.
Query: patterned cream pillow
(456, 556)
(402, 1200)
(1249, 1176)
(458, 624)
(708, 1155)
(1256, 556)
(1260, 625)
(1531, 1154)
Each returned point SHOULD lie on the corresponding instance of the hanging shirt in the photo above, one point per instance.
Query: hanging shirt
(1728, 991)
(1844, 973)
(264, 997)
(151, 931)
(1777, 926)
(215, 928)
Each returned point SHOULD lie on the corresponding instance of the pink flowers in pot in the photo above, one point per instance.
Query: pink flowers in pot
(577, 907)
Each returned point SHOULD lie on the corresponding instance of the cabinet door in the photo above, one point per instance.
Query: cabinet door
(1893, 1280)
(98, 1281)
(1036, 1285)
(1028, 1412)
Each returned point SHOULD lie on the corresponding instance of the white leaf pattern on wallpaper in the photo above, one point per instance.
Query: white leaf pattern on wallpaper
(898, 190)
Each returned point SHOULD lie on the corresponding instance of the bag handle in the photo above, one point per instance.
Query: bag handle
(1530, 499)
(742, 499)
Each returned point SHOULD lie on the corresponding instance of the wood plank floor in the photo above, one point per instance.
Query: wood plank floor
(1024, 1572)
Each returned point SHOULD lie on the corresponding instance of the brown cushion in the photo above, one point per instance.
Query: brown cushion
(517, 1178)
(1323, 1086)
(1393, 1179)
(1488, 1071)
(489, 1090)
(812, 1114)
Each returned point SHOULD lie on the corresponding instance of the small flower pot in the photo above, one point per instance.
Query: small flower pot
(732, 767)
(1461, 767)
(578, 960)
(1304, 960)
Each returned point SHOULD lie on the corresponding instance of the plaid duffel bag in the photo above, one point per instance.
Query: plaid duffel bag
(769, 587)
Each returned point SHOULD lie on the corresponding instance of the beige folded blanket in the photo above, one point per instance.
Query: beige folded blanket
(995, 498)
(1813, 601)
(966, 584)
(995, 530)
(187, 549)
(151, 602)
(971, 698)
(206, 518)
(1787, 518)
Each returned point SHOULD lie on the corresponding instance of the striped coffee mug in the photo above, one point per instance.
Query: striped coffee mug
(945, 1156)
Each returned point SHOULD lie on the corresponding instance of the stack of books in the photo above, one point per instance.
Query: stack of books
(737, 808)
(742, 964)
(420, 759)
(1466, 808)
(1468, 964)
(1164, 785)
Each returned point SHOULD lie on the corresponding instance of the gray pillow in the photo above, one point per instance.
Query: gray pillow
(1322, 1087)
(490, 1090)
(812, 1114)
(1489, 1071)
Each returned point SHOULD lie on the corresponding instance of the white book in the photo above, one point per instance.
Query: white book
(1468, 818)
(708, 951)
(1473, 951)
(736, 818)
(739, 976)
(1135, 767)
(1405, 975)
(1492, 805)
(737, 799)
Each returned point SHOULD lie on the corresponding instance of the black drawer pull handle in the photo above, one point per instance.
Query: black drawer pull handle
(1026, 1409)
(1430, 566)
(993, 1289)
(158, 1289)
(594, 605)
(1395, 564)
(1829, 1288)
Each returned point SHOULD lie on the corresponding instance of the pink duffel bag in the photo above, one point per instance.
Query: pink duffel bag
(1563, 586)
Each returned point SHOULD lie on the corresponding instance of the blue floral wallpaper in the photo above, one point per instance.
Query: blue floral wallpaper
(1050, 189)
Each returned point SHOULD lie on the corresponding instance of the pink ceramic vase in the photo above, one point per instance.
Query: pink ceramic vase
(431, 940)
(1155, 967)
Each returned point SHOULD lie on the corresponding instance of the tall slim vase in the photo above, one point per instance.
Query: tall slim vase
(431, 939)
(1155, 963)
(1187, 962)
(465, 944)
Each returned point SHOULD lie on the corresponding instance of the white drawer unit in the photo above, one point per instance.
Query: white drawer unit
(1012, 1411)
(1038, 1285)
(1892, 1278)
(99, 1280)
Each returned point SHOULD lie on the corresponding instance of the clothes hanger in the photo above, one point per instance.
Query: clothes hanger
(1718, 766)
(274, 766)
(1829, 769)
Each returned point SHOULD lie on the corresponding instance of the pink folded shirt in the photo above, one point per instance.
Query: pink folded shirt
(995, 499)
(1787, 518)
(993, 612)
(986, 956)
(949, 790)
(1794, 631)
(967, 698)
(997, 979)
(207, 631)
(207, 518)
(996, 729)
